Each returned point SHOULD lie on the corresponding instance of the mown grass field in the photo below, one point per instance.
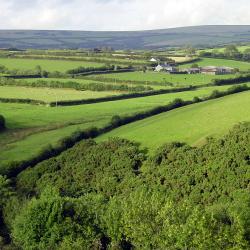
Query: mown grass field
(51, 94)
(191, 124)
(161, 77)
(242, 66)
(49, 65)
(29, 124)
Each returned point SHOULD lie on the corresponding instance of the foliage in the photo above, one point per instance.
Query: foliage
(108, 195)
(2, 123)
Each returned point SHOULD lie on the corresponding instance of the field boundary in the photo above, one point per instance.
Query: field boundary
(96, 100)
(12, 169)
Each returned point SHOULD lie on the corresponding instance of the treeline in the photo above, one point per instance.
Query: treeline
(13, 168)
(22, 100)
(236, 80)
(230, 52)
(2, 123)
(81, 69)
(112, 195)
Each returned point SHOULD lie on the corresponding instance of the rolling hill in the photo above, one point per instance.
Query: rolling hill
(191, 124)
(211, 35)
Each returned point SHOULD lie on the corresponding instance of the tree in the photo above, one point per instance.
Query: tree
(54, 222)
(231, 51)
(190, 51)
(38, 70)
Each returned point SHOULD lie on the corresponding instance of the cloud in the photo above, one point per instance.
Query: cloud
(120, 14)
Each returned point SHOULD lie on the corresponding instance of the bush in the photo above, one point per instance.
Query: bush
(2, 123)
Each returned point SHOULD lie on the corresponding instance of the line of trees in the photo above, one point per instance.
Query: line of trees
(107, 67)
(230, 52)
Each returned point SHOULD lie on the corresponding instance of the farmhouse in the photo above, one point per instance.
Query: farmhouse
(167, 68)
(213, 70)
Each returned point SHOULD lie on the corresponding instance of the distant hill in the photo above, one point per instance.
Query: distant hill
(200, 36)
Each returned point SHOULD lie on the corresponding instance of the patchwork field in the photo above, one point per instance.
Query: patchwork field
(49, 65)
(164, 78)
(28, 124)
(191, 124)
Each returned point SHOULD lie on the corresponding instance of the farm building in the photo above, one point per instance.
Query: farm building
(153, 60)
(193, 70)
(213, 70)
(167, 68)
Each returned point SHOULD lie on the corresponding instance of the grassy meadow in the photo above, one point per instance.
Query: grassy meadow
(51, 94)
(49, 65)
(191, 124)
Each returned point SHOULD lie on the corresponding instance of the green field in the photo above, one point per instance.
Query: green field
(164, 78)
(51, 94)
(29, 124)
(88, 80)
(49, 65)
(221, 50)
(242, 66)
(191, 124)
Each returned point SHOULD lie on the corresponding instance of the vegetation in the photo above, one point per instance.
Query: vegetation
(229, 52)
(242, 66)
(163, 79)
(14, 167)
(28, 124)
(60, 189)
(2, 123)
(118, 198)
(192, 124)
(16, 64)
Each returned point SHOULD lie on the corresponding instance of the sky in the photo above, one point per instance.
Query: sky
(120, 14)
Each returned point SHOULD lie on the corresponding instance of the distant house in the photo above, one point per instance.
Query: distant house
(153, 60)
(213, 70)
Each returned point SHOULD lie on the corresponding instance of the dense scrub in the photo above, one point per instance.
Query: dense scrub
(113, 196)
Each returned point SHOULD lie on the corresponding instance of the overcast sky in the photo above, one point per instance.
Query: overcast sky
(120, 14)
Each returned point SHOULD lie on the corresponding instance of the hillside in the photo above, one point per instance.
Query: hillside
(112, 196)
(153, 39)
(190, 124)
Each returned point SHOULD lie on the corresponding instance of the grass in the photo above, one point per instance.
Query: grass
(221, 50)
(51, 94)
(49, 65)
(28, 125)
(242, 66)
(191, 124)
(161, 77)
(86, 81)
